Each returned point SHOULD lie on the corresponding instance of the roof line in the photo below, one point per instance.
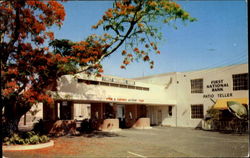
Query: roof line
(169, 73)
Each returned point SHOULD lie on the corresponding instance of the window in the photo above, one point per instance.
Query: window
(118, 85)
(197, 86)
(123, 86)
(131, 87)
(240, 82)
(170, 109)
(197, 111)
(145, 89)
(87, 81)
(104, 83)
(114, 85)
(139, 88)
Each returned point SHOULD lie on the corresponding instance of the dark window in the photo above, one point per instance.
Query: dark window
(87, 81)
(81, 81)
(94, 82)
(197, 111)
(139, 88)
(123, 86)
(91, 82)
(104, 83)
(197, 86)
(240, 82)
(131, 87)
(170, 113)
(114, 85)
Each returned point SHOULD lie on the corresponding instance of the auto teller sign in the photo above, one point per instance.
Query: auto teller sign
(217, 86)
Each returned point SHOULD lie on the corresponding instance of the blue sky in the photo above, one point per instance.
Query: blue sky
(218, 38)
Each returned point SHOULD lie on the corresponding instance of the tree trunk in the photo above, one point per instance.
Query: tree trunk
(10, 127)
(11, 117)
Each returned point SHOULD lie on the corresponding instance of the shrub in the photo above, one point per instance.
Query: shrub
(39, 127)
(15, 139)
(25, 138)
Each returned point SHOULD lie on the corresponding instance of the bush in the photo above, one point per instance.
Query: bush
(39, 127)
(15, 139)
(86, 125)
(25, 138)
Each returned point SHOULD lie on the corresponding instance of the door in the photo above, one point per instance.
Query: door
(66, 110)
(159, 117)
(120, 114)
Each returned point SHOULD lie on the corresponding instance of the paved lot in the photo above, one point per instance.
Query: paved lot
(155, 142)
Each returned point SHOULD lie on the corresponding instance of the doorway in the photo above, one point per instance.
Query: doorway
(159, 117)
(120, 114)
(66, 110)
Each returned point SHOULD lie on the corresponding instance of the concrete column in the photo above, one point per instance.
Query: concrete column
(102, 111)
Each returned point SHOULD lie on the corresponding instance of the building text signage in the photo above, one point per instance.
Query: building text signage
(124, 100)
(217, 86)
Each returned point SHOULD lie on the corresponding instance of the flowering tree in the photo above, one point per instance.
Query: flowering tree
(29, 69)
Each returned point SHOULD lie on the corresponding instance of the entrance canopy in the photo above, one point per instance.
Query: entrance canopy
(221, 104)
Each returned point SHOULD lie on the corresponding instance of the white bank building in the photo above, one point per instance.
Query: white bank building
(197, 91)
(178, 99)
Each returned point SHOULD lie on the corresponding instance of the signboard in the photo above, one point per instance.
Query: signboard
(124, 99)
(217, 86)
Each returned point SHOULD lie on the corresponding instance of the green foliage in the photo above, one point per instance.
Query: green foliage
(26, 138)
(39, 127)
(30, 70)
(138, 23)
(214, 113)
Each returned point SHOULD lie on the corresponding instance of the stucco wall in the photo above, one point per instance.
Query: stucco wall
(164, 90)
(167, 81)
(185, 98)
(69, 88)
(180, 90)
(159, 115)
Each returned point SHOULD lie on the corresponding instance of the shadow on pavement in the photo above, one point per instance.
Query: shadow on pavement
(95, 134)
(99, 134)
(227, 132)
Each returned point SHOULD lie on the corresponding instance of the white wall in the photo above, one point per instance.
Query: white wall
(69, 88)
(185, 98)
(165, 89)
(167, 81)
(180, 89)
(167, 119)
(159, 115)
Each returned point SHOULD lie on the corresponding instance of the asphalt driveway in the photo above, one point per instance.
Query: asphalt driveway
(155, 142)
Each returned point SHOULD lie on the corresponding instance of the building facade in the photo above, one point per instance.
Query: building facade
(197, 91)
(172, 99)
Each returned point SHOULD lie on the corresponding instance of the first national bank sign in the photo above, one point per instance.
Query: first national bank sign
(217, 86)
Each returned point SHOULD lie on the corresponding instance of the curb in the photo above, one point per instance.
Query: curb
(28, 147)
(142, 127)
(111, 130)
